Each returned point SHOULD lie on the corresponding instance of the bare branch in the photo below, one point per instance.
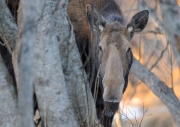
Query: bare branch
(165, 94)
(144, 114)
(162, 53)
(153, 52)
(130, 10)
(125, 115)
(171, 66)
(140, 48)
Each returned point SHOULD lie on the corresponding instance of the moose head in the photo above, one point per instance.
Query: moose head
(115, 54)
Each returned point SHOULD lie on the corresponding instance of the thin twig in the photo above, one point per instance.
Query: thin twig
(125, 115)
(162, 53)
(130, 10)
(144, 114)
(171, 66)
(133, 115)
(140, 48)
(137, 124)
(153, 52)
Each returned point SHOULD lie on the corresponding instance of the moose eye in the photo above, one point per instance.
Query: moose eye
(129, 49)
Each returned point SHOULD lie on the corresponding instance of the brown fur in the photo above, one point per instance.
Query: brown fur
(76, 11)
(82, 32)
(114, 60)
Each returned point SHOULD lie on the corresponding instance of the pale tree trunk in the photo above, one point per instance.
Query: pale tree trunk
(64, 97)
(53, 102)
(57, 30)
(53, 32)
(8, 99)
(159, 88)
(27, 36)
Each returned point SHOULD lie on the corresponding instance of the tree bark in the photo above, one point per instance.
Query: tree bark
(53, 102)
(55, 37)
(159, 88)
(8, 99)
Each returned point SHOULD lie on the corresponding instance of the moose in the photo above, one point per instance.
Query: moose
(103, 41)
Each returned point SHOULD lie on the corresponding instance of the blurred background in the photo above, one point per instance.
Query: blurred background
(151, 48)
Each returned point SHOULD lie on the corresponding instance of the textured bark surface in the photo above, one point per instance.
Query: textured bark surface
(53, 102)
(159, 88)
(8, 27)
(171, 18)
(54, 29)
(8, 99)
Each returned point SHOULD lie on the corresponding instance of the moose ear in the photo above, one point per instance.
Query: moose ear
(138, 22)
(95, 18)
